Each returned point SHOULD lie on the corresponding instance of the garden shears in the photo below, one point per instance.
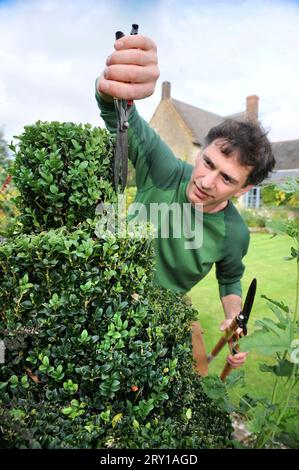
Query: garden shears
(231, 334)
(122, 107)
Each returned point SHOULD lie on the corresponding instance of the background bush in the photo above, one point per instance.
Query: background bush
(255, 217)
(7, 192)
(276, 196)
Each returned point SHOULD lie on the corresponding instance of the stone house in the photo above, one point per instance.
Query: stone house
(183, 127)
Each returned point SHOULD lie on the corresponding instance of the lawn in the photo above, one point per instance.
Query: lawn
(276, 278)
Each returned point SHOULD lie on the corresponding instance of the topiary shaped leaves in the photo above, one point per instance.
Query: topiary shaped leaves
(62, 170)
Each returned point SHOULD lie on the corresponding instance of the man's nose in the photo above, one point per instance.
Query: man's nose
(208, 180)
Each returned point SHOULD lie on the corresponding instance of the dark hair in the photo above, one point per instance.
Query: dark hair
(252, 144)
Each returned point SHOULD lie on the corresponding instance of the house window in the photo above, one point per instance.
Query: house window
(253, 198)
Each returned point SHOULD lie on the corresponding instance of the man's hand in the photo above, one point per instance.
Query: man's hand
(132, 69)
(238, 359)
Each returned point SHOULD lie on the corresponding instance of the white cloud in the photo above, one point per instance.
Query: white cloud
(214, 53)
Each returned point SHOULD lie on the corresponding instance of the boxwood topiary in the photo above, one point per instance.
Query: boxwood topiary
(62, 170)
(96, 355)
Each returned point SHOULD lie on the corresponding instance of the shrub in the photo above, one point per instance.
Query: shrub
(7, 192)
(61, 170)
(96, 355)
(8, 211)
(254, 218)
(280, 195)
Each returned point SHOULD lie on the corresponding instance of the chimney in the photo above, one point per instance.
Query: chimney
(166, 90)
(252, 108)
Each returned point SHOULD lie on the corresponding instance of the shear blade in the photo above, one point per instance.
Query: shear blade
(120, 167)
(247, 306)
(124, 162)
(249, 300)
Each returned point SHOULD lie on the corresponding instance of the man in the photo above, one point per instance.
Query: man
(236, 157)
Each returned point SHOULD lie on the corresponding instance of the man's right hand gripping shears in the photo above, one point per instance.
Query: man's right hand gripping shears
(231, 334)
(120, 163)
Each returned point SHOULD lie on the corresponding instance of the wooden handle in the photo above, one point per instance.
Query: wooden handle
(222, 342)
(228, 334)
(234, 349)
(226, 371)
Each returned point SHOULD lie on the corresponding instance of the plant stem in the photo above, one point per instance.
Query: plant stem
(261, 439)
(16, 310)
(274, 391)
(297, 297)
(282, 413)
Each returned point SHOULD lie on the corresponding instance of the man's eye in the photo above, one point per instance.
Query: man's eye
(226, 179)
(207, 162)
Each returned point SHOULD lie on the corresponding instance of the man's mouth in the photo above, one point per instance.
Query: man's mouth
(200, 192)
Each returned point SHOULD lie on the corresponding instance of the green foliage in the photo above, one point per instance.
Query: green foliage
(4, 161)
(264, 218)
(277, 339)
(130, 195)
(87, 350)
(290, 186)
(268, 194)
(62, 171)
(255, 218)
(283, 194)
(96, 355)
(216, 390)
(8, 209)
(272, 337)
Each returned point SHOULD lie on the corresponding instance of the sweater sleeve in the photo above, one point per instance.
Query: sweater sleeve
(230, 269)
(154, 161)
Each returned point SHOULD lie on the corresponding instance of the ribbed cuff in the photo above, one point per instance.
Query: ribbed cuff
(227, 289)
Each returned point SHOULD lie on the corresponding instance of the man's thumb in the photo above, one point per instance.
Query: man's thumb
(224, 324)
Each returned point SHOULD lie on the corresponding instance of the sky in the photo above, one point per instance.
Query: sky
(214, 53)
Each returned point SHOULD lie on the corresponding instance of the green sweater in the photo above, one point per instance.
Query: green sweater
(163, 178)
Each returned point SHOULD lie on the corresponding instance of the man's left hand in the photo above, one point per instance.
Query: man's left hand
(236, 360)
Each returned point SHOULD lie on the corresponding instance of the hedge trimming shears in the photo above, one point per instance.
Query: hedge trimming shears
(231, 334)
(120, 164)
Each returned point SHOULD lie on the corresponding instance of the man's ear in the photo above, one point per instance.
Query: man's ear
(244, 190)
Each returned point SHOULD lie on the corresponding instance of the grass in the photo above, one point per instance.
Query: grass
(276, 278)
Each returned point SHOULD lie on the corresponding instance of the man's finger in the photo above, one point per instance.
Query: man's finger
(132, 73)
(241, 355)
(238, 357)
(135, 41)
(237, 360)
(126, 91)
(132, 56)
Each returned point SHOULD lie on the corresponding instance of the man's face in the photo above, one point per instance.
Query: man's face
(216, 178)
